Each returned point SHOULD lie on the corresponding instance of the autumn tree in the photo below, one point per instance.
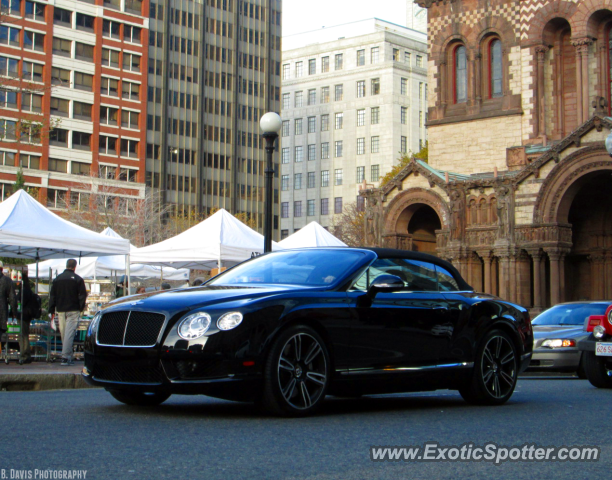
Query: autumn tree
(349, 226)
(404, 160)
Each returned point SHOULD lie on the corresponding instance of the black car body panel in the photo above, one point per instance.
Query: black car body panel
(429, 337)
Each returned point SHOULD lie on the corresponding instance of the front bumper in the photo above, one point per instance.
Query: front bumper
(555, 359)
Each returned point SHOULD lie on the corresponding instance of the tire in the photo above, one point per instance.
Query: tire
(141, 399)
(296, 374)
(581, 373)
(596, 370)
(495, 371)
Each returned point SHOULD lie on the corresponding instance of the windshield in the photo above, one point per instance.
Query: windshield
(572, 314)
(304, 267)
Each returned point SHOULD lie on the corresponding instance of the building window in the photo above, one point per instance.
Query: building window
(325, 122)
(374, 173)
(360, 174)
(312, 124)
(360, 146)
(310, 208)
(286, 101)
(361, 117)
(298, 126)
(285, 210)
(286, 74)
(324, 64)
(129, 148)
(86, 22)
(325, 206)
(374, 53)
(34, 41)
(312, 96)
(360, 58)
(299, 154)
(129, 119)
(324, 150)
(361, 89)
(9, 36)
(109, 115)
(299, 99)
(31, 71)
(131, 34)
(375, 144)
(110, 58)
(299, 69)
(11, 7)
(403, 144)
(419, 61)
(285, 129)
(107, 145)
(311, 179)
(297, 209)
(360, 203)
(312, 152)
(339, 120)
(8, 130)
(375, 115)
(33, 11)
(110, 87)
(83, 81)
(57, 165)
(284, 183)
(407, 58)
(85, 53)
(7, 158)
(297, 181)
(403, 115)
(339, 93)
(81, 141)
(8, 99)
(324, 178)
(324, 94)
(420, 119)
(81, 111)
(460, 74)
(495, 68)
(403, 86)
(285, 155)
(60, 107)
(338, 176)
(130, 91)
(338, 61)
(62, 47)
(284, 233)
(312, 66)
(30, 161)
(396, 55)
(338, 148)
(338, 205)
(131, 62)
(375, 89)
(111, 29)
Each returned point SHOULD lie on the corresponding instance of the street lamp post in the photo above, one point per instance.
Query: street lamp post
(271, 124)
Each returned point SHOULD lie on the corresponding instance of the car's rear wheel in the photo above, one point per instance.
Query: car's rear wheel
(495, 371)
(142, 399)
(598, 370)
(296, 374)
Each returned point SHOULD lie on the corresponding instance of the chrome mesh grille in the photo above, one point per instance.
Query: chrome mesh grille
(130, 329)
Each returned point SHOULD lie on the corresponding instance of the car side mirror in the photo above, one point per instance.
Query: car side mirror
(385, 284)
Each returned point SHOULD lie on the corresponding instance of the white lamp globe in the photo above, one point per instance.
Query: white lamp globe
(271, 123)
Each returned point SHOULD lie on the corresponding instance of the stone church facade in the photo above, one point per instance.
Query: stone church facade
(517, 190)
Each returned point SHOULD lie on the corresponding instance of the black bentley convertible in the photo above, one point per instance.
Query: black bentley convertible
(286, 329)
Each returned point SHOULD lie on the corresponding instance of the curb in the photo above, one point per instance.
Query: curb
(48, 381)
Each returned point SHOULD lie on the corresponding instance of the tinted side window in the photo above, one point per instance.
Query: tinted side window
(420, 276)
(446, 281)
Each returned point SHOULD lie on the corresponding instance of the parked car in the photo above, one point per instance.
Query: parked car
(286, 328)
(556, 333)
(597, 350)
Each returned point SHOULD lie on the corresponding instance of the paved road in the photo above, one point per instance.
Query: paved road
(198, 437)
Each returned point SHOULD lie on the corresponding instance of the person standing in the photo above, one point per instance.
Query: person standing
(67, 298)
(7, 297)
(25, 353)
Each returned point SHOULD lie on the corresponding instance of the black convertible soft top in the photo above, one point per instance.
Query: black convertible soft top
(424, 257)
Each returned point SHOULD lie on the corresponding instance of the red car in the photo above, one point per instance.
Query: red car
(597, 350)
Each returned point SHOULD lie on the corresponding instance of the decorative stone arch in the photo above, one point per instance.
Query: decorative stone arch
(396, 223)
(496, 26)
(543, 15)
(562, 183)
(581, 21)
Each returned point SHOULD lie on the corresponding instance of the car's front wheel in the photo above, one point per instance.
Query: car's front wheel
(296, 373)
(598, 370)
(141, 399)
(495, 371)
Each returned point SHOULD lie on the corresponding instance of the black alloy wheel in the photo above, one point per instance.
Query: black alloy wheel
(296, 374)
(495, 371)
(598, 370)
(140, 399)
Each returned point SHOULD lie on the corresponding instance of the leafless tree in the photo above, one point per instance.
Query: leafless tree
(348, 226)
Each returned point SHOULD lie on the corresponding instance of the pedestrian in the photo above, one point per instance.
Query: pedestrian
(67, 298)
(165, 286)
(198, 281)
(141, 289)
(27, 307)
(7, 298)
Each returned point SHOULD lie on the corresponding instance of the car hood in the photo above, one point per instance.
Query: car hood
(558, 331)
(189, 298)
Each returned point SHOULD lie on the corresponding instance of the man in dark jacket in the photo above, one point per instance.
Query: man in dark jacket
(67, 297)
(7, 296)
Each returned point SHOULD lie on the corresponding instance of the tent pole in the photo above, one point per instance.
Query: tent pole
(37, 260)
(127, 272)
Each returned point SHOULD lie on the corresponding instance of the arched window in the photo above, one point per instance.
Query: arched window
(460, 65)
(495, 68)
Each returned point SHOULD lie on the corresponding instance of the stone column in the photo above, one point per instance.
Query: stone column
(513, 279)
(504, 268)
(555, 273)
(486, 258)
(537, 282)
(582, 78)
(541, 95)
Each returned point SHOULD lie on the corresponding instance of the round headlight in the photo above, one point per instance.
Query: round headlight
(610, 317)
(229, 320)
(194, 325)
(599, 331)
(93, 325)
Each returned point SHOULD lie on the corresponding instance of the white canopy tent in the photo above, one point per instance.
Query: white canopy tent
(29, 230)
(312, 235)
(219, 240)
(98, 267)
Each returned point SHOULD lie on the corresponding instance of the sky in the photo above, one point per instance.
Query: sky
(305, 15)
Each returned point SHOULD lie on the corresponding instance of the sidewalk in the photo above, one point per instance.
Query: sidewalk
(41, 376)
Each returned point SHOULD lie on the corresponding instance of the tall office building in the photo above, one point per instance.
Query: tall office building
(214, 70)
(73, 98)
(353, 101)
